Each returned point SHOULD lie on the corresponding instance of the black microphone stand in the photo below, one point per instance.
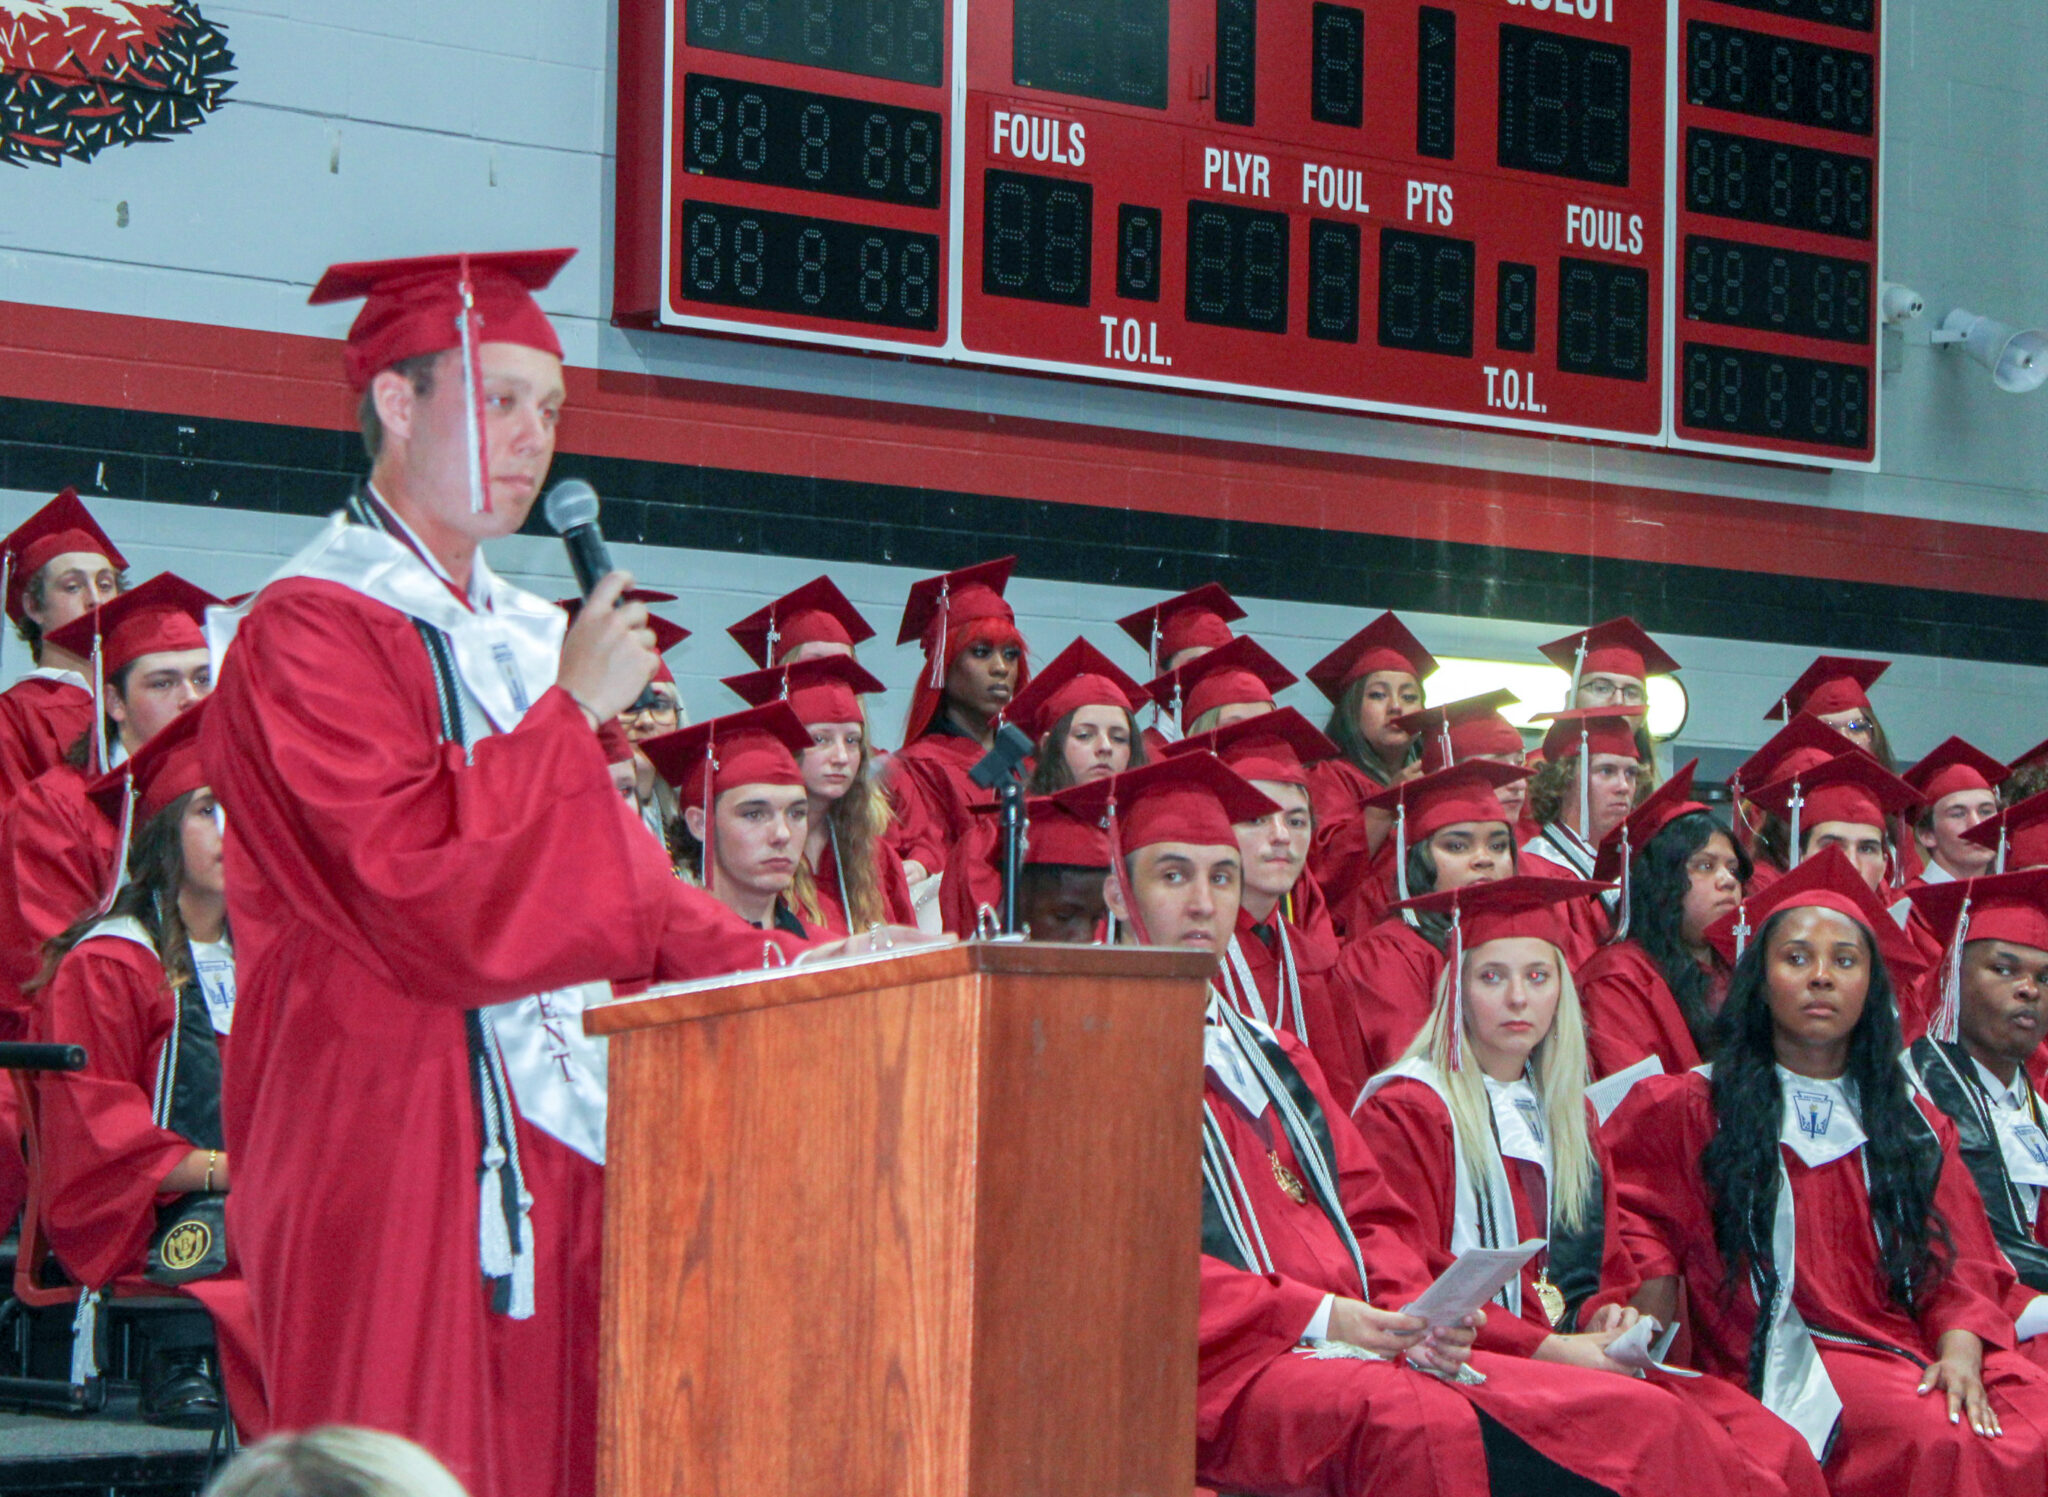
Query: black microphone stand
(1002, 770)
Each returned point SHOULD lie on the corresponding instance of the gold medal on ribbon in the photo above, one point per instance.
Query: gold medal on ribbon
(1552, 1299)
(1287, 1179)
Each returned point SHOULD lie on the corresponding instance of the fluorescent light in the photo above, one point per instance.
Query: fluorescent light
(1542, 688)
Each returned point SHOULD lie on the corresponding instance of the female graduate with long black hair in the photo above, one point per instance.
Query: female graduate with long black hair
(133, 1141)
(1836, 1259)
(1484, 1128)
(1654, 990)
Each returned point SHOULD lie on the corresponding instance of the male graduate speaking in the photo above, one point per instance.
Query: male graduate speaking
(422, 833)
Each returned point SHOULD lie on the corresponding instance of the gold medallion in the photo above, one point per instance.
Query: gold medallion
(1552, 1299)
(186, 1245)
(1287, 1179)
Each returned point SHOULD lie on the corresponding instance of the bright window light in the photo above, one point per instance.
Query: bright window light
(1542, 688)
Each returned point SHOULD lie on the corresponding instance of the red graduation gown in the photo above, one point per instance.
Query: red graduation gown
(103, 1156)
(39, 720)
(932, 797)
(1271, 1419)
(57, 855)
(1630, 1012)
(1332, 1038)
(1586, 921)
(1409, 1130)
(1890, 1441)
(379, 888)
(1352, 857)
(888, 873)
(1387, 980)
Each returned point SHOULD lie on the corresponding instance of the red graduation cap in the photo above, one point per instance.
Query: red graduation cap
(1200, 618)
(1426, 805)
(416, 306)
(1460, 730)
(1833, 683)
(816, 613)
(666, 635)
(1498, 910)
(1618, 647)
(1801, 744)
(436, 302)
(759, 746)
(2033, 755)
(1274, 746)
(1079, 676)
(1828, 881)
(826, 689)
(163, 614)
(1851, 787)
(2010, 907)
(1240, 671)
(1054, 834)
(2018, 835)
(59, 528)
(1951, 767)
(135, 792)
(941, 606)
(1591, 730)
(1383, 645)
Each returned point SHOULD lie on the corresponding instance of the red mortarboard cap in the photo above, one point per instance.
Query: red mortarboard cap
(1608, 730)
(1240, 671)
(1659, 809)
(1054, 835)
(816, 613)
(1951, 767)
(1195, 799)
(1199, 618)
(164, 613)
(1274, 746)
(162, 770)
(1498, 909)
(1828, 881)
(2003, 907)
(1473, 725)
(1618, 647)
(666, 635)
(1851, 787)
(1079, 676)
(2021, 828)
(2033, 755)
(60, 527)
(971, 593)
(760, 746)
(1798, 746)
(411, 307)
(1833, 683)
(1383, 645)
(1464, 792)
(827, 689)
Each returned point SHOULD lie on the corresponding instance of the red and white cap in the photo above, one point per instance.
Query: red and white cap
(1590, 730)
(1200, 618)
(61, 527)
(826, 689)
(1851, 787)
(164, 614)
(1463, 729)
(1424, 806)
(1277, 747)
(1833, 683)
(2017, 836)
(1079, 676)
(1240, 671)
(1951, 767)
(2010, 907)
(1827, 881)
(760, 746)
(816, 613)
(1383, 645)
(1617, 647)
(140, 788)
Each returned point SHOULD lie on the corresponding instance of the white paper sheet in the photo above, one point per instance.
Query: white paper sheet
(1470, 1282)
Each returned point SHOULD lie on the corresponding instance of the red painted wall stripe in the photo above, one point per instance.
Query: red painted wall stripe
(178, 368)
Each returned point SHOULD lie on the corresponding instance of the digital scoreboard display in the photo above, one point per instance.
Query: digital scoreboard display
(1646, 221)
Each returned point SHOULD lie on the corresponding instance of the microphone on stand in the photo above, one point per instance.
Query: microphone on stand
(571, 509)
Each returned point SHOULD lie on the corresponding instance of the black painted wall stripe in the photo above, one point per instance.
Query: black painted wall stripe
(307, 471)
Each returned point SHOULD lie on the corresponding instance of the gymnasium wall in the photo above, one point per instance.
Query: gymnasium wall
(156, 351)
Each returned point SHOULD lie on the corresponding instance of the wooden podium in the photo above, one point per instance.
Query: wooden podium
(924, 1224)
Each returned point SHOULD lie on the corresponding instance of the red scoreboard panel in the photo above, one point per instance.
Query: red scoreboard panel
(1775, 228)
(1460, 210)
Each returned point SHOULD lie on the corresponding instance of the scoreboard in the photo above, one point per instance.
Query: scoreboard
(1644, 221)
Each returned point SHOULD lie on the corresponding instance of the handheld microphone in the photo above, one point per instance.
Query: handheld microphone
(571, 509)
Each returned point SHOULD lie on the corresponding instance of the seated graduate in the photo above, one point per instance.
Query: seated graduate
(974, 667)
(657, 710)
(59, 856)
(1958, 786)
(2017, 836)
(1836, 689)
(850, 880)
(1592, 775)
(1450, 830)
(1973, 1064)
(1080, 711)
(1802, 743)
(1218, 687)
(745, 812)
(811, 622)
(1059, 888)
(1835, 1258)
(1652, 991)
(1373, 681)
(1484, 1129)
(132, 1144)
(1610, 665)
(1183, 628)
(1308, 1381)
(1277, 964)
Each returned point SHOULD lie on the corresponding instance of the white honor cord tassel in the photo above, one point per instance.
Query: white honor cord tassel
(1579, 668)
(1621, 915)
(99, 704)
(1456, 1045)
(1585, 827)
(472, 387)
(1741, 930)
(1948, 1017)
(1796, 804)
(6, 582)
(1998, 861)
(938, 677)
